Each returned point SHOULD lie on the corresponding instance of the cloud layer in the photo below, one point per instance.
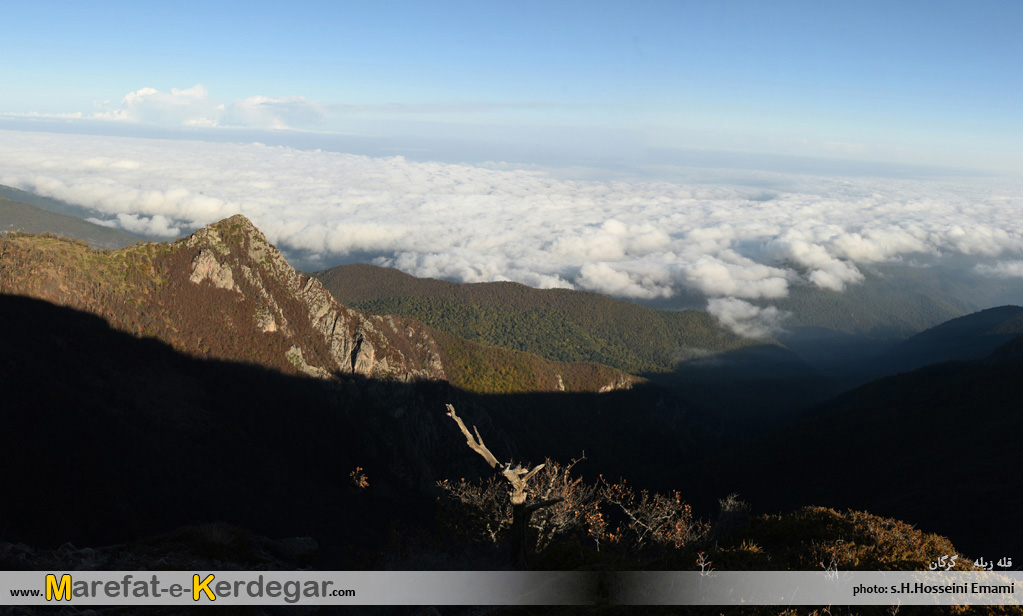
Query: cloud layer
(732, 243)
(193, 107)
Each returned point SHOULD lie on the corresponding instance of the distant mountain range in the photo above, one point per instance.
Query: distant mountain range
(19, 216)
(973, 336)
(43, 203)
(854, 359)
(755, 380)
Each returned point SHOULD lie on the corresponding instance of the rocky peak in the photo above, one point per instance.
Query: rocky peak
(325, 338)
(225, 292)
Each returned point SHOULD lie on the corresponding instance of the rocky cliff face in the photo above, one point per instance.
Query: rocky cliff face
(323, 337)
(226, 293)
(223, 292)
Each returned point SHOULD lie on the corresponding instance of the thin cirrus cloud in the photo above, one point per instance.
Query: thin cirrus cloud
(193, 107)
(732, 243)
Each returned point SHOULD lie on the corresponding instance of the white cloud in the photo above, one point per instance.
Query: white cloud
(728, 273)
(157, 225)
(77, 115)
(603, 278)
(876, 245)
(152, 226)
(797, 248)
(1001, 269)
(188, 107)
(193, 107)
(744, 318)
(273, 113)
(501, 222)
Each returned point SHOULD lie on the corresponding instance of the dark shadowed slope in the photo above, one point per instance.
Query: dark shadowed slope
(854, 360)
(108, 436)
(968, 337)
(115, 436)
(939, 446)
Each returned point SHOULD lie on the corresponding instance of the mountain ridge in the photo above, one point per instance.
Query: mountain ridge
(971, 336)
(225, 292)
(17, 215)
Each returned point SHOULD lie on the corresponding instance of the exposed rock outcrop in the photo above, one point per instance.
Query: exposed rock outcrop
(206, 267)
(326, 338)
(620, 382)
(225, 292)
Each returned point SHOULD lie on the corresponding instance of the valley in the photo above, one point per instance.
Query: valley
(163, 386)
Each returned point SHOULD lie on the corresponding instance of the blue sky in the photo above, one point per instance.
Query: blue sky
(934, 83)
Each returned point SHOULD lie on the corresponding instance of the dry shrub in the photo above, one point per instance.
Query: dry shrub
(585, 511)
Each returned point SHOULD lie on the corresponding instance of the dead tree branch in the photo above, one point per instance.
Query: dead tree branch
(518, 477)
(475, 443)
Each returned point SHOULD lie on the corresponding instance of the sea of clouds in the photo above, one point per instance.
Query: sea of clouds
(731, 240)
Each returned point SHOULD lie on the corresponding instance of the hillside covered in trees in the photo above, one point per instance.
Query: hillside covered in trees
(557, 324)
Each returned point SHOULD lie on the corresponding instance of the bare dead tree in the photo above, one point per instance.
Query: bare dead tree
(518, 477)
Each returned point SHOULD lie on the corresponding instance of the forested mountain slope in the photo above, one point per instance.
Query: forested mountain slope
(557, 324)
